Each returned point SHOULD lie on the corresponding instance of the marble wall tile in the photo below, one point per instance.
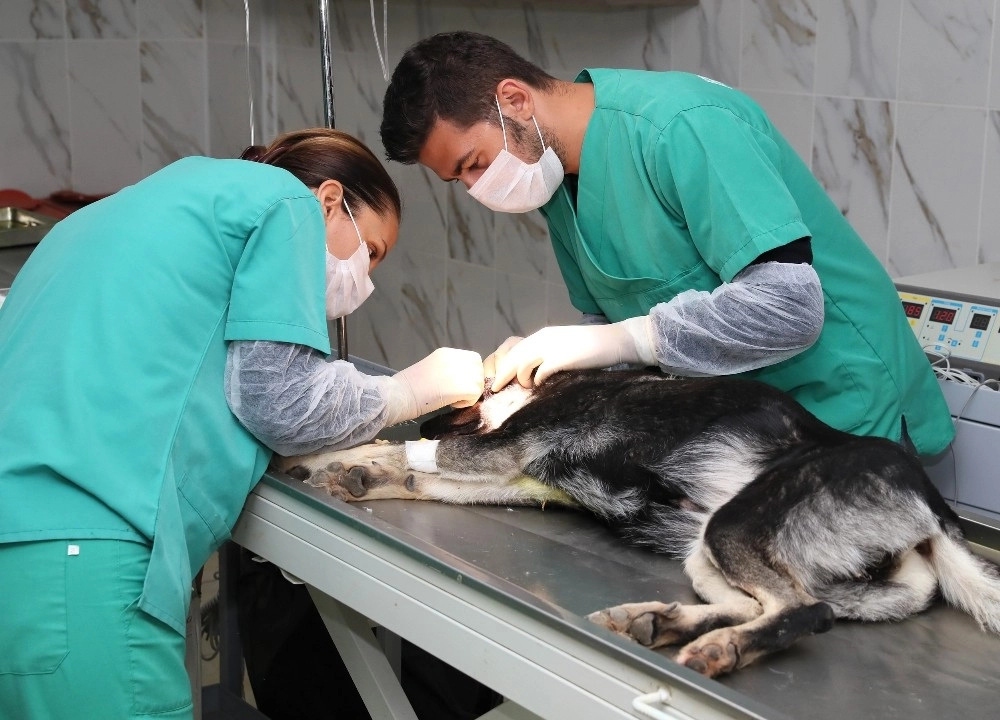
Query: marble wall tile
(637, 38)
(107, 114)
(374, 329)
(521, 244)
(945, 51)
(424, 196)
(34, 128)
(706, 40)
(793, 115)
(103, 19)
(934, 218)
(174, 98)
(225, 20)
(32, 19)
(857, 47)
(471, 307)
(779, 45)
(558, 309)
(296, 22)
(171, 20)
(469, 227)
(852, 159)
(298, 89)
(520, 307)
(229, 130)
(989, 219)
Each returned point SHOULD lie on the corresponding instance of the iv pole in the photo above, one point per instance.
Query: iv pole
(328, 119)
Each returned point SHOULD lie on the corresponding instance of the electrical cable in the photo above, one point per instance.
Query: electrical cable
(246, 8)
(385, 35)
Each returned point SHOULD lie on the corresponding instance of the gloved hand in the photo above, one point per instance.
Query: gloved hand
(491, 361)
(445, 377)
(569, 347)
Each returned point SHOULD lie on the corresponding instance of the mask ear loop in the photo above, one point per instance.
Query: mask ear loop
(351, 215)
(502, 126)
(539, 131)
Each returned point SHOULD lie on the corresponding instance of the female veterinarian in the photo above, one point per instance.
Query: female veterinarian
(154, 350)
(680, 214)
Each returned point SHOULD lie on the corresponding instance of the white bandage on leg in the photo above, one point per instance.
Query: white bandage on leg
(420, 455)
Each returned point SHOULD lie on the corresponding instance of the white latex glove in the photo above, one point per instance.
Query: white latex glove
(445, 377)
(572, 347)
(491, 361)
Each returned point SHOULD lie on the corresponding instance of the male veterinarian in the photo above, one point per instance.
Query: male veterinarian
(678, 213)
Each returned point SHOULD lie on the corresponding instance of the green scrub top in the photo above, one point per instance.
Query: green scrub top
(683, 183)
(113, 341)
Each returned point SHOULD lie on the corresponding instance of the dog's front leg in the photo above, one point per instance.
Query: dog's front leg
(374, 471)
(410, 471)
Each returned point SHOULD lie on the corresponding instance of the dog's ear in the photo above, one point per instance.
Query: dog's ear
(461, 421)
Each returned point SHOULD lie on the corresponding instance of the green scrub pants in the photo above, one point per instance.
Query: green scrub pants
(75, 644)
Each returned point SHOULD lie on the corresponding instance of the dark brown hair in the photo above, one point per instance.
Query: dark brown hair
(315, 155)
(449, 76)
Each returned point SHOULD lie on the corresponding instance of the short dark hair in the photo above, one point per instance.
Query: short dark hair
(450, 76)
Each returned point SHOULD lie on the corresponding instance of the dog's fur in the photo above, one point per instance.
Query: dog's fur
(783, 523)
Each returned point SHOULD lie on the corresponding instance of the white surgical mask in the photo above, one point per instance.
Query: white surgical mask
(511, 185)
(347, 281)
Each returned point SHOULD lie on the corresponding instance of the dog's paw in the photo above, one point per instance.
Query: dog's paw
(652, 624)
(711, 655)
(367, 472)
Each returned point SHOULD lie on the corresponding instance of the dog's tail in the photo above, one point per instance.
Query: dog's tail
(967, 581)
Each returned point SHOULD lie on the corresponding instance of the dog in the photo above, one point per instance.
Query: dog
(783, 523)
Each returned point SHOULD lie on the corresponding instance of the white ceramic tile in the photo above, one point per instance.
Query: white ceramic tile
(945, 51)
(471, 307)
(174, 96)
(173, 20)
(705, 39)
(106, 112)
(852, 159)
(779, 45)
(104, 19)
(32, 19)
(34, 128)
(857, 47)
(793, 115)
(934, 217)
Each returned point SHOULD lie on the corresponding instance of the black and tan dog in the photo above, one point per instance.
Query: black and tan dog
(783, 523)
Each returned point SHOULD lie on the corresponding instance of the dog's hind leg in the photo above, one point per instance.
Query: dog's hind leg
(656, 624)
(906, 587)
(734, 542)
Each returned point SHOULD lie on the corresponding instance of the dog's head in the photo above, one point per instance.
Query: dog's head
(487, 414)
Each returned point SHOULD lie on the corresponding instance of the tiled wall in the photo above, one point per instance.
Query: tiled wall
(895, 104)
(97, 94)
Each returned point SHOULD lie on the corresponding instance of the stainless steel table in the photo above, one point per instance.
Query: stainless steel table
(500, 593)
